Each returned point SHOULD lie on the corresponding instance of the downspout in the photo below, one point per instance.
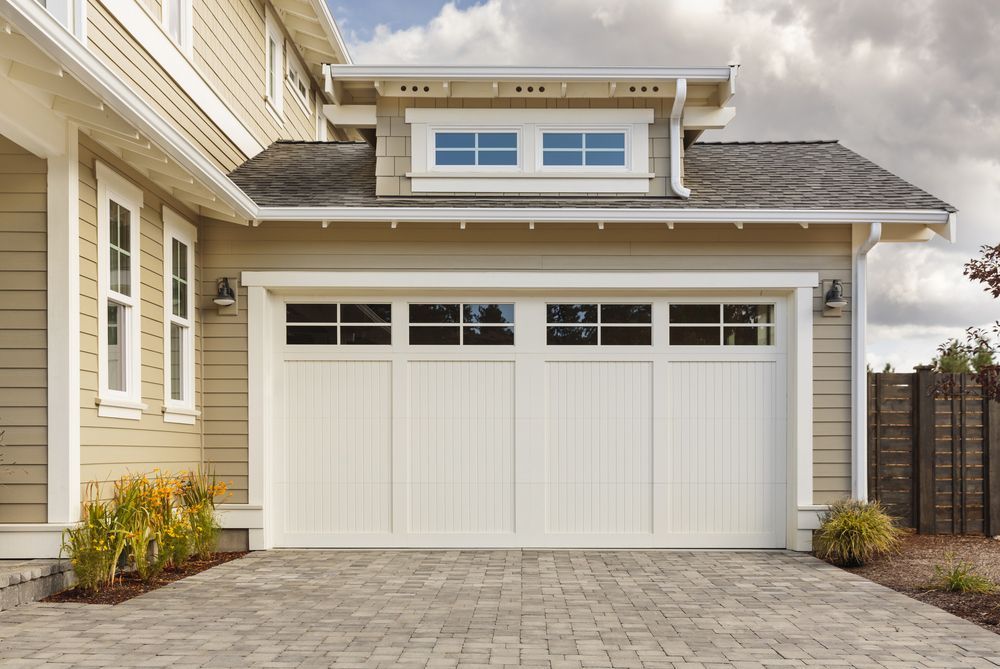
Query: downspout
(859, 388)
(676, 138)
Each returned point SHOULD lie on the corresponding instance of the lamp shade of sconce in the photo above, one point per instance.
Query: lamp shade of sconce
(835, 296)
(224, 295)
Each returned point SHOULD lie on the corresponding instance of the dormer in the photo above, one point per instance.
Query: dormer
(601, 131)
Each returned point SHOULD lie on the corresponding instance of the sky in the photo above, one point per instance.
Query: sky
(910, 84)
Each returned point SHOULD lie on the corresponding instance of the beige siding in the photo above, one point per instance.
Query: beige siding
(229, 53)
(111, 447)
(229, 250)
(119, 50)
(23, 383)
(394, 152)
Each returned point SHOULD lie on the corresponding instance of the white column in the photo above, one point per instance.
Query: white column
(63, 296)
(800, 395)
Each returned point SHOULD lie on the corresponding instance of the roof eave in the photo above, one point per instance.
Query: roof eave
(494, 73)
(941, 221)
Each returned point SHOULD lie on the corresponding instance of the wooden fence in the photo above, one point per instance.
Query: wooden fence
(934, 452)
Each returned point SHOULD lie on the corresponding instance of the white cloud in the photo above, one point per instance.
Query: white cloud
(909, 84)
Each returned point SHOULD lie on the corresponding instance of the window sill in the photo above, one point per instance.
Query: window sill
(116, 408)
(180, 415)
(549, 182)
(274, 111)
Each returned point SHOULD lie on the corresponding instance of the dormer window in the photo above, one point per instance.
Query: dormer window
(529, 150)
(583, 149)
(475, 149)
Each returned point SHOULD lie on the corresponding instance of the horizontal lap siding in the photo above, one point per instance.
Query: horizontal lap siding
(229, 250)
(229, 52)
(23, 366)
(111, 447)
(110, 42)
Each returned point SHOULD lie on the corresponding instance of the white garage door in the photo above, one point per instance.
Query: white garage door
(530, 421)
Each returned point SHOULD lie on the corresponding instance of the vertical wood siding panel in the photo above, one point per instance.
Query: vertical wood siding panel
(461, 446)
(599, 447)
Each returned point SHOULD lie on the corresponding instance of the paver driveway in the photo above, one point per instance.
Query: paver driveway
(530, 608)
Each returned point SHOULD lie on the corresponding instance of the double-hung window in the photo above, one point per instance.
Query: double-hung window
(179, 238)
(274, 47)
(299, 83)
(475, 149)
(177, 22)
(119, 206)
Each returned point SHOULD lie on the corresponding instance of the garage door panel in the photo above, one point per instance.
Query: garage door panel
(725, 447)
(599, 447)
(461, 452)
(335, 467)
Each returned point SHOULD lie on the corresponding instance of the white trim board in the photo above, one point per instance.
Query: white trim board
(532, 281)
(173, 59)
(514, 73)
(20, 541)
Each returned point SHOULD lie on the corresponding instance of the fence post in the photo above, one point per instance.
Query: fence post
(991, 449)
(923, 432)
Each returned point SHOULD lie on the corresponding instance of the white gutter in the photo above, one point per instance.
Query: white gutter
(676, 113)
(492, 73)
(40, 27)
(586, 214)
(859, 388)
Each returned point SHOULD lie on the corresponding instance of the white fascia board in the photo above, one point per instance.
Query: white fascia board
(530, 280)
(31, 19)
(581, 214)
(151, 36)
(492, 73)
(331, 28)
(350, 116)
(472, 117)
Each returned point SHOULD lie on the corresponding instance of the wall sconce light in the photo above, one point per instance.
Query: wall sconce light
(225, 296)
(835, 296)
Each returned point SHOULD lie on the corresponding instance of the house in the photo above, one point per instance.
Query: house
(443, 306)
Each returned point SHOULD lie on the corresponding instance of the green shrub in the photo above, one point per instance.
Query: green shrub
(853, 532)
(960, 577)
(198, 493)
(95, 546)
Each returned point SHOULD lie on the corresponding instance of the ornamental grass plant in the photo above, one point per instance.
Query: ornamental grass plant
(958, 576)
(852, 533)
(150, 523)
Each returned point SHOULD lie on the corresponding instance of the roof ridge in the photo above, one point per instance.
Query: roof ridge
(773, 141)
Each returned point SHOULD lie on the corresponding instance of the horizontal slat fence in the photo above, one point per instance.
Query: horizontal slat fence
(934, 452)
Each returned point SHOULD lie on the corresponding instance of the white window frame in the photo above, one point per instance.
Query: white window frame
(179, 411)
(72, 14)
(776, 333)
(125, 404)
(432, 148)
(295, 71)
(274, 76)
(530, 176)
(584, 169)
(184, 41)
(322, 133)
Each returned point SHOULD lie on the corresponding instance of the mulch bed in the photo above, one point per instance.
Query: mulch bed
(912, 570)
(129, 585)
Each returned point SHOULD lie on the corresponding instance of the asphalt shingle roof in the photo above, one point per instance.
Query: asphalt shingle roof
(722, 175)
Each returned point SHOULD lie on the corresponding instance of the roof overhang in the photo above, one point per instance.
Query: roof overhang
(914, 225)
(314, 32)
(360, 84)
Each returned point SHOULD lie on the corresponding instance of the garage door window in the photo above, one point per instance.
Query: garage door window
(346, 324)
(457, 324)
(599, 324)
(721, 324)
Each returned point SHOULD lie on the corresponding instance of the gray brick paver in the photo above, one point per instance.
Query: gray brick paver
(553, 609)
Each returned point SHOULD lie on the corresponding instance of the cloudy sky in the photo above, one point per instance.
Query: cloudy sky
(911, 84)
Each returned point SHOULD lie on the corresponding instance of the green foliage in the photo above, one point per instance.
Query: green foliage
(155, 523)
(199, 491)
(960, 577)
(854, 532)
(953, 358)
(95, 546)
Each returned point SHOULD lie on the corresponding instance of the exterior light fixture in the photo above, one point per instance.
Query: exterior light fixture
(835, 296)
(224, 295)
